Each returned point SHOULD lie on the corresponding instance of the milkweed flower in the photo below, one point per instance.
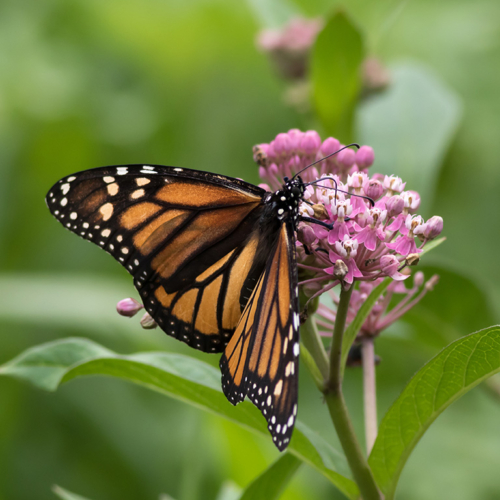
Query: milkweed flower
(373, 227)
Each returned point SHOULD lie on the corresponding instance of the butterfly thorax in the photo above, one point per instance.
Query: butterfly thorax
(283, 205)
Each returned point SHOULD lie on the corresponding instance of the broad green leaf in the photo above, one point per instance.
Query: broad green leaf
(182, 377)
(454, 371)
(410, 126)
(352, 330)
(273, 480)
(335, 75)
(65, 494)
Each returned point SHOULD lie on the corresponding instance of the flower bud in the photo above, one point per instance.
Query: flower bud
(147, 322)
(429, 286)
(364, 157)
(310, 142)
(281, 145)
(373, 189)
(265, 187)
(433, 227)
(418, 279)
(346, 158)
(394, 205)
(128, 307)
(329, 146)
(389, 264)
(306, 234)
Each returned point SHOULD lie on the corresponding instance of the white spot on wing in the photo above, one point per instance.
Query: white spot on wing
(108, 179)
(64, 202)
(65, 188)
(73, 215)
(137, 194)
(106, 211)
(71, 179)
(113, 189)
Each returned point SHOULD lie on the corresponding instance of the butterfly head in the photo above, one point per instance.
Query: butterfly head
(286, 200)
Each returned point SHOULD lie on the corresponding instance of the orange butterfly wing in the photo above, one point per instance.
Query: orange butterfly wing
(182, 234)
(261, 360)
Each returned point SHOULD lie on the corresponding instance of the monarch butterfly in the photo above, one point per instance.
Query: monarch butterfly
(213, 259)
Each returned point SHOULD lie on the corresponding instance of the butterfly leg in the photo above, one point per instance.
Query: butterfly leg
(316, 221)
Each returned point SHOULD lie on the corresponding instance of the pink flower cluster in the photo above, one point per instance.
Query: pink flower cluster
(289, 46)
(372, 218)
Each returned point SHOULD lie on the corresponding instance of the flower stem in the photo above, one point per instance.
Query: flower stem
(369, 389)
(312, 342)
(338, 408)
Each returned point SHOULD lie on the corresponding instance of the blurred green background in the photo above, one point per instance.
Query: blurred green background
(91, 83)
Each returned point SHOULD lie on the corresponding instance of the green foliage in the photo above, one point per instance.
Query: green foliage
(336, 75)
(353, 329)
(271, 482)
(411, 126)
(181, 377)
(66, 495)
(85, 84)
(453, 372)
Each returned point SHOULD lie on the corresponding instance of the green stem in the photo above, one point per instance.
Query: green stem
(312, 341)
(338, 408)
(369, 391)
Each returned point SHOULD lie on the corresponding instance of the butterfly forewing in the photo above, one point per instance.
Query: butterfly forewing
(182, 234)
(261, 360)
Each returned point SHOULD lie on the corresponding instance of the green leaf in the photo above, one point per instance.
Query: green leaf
(65, 494)
(410, 126)
(336, 75)
(453, 372)
(273, 480)
(182, 377)
(353, 329)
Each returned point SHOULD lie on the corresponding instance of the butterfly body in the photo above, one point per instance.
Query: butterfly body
(213, 259)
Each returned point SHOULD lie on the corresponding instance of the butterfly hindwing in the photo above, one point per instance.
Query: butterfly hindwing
(261, 360)
(182, 234)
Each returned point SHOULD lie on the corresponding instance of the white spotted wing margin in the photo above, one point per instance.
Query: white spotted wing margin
(262, 359)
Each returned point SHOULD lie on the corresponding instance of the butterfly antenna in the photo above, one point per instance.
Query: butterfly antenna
(325, 157)
(372, 203)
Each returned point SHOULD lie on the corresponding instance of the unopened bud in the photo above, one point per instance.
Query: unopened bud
(310, 142)
(429, 286)
(346, 158)
(389, 264)
(373, 189)
(364, 157)
(147, 322)
(394, 205)
(418, 279)
(433, 227)
(128, 307)
(329, 146)
(340, 269)
(412, 259)
(306, 234)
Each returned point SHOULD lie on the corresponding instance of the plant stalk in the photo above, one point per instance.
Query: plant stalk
(338, 408)
(369, 390)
